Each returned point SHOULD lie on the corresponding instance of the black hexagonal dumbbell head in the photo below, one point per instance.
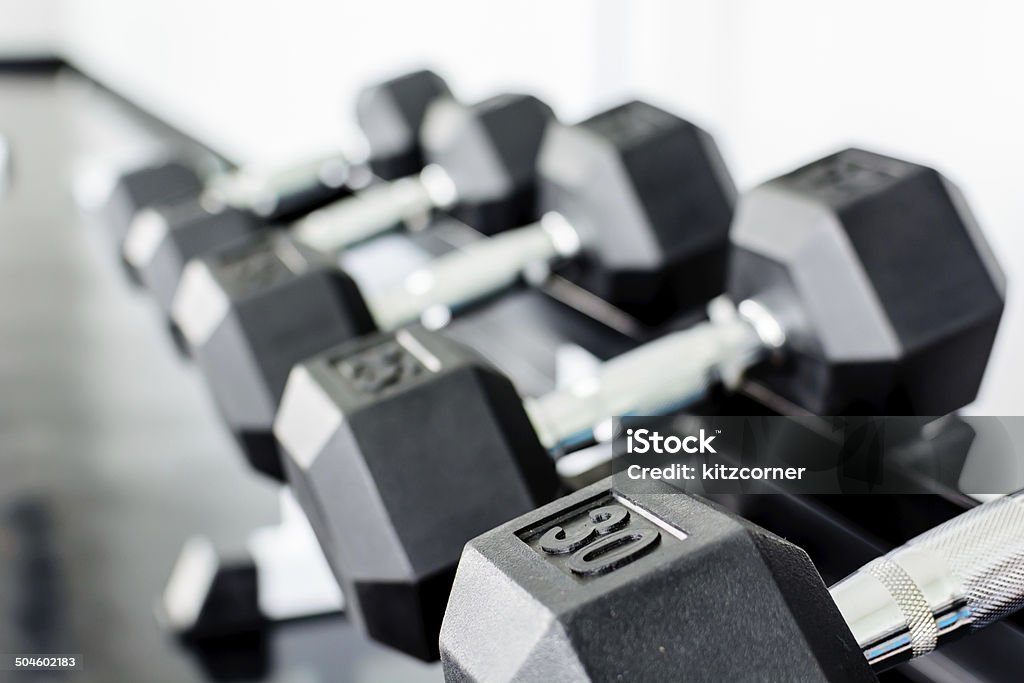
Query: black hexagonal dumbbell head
(875, 267)
(391, 116)
(636, 208)
(164, 239)
(158, 183)
(481, 165)
(161, 182)
(400, 448)
(489, 152)
(652, 201)
(599, 586)
(251, 312)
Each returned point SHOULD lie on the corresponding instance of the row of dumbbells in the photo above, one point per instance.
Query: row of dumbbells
(857, 284)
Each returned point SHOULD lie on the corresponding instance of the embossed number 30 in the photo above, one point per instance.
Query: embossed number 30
(617, 546)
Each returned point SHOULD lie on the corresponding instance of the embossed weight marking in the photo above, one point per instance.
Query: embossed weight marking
(598, 540)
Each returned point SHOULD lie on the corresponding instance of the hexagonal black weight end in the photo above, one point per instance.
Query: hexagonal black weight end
(652, 199)
(251, 312)
(663, 586)
(489, 150)
(889, 293)
(391, 115)
(169, 236)
(400, 448)
(161, 183)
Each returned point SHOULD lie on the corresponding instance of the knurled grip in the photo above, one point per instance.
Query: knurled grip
(956, 578)
(984, 550)
(924, 632)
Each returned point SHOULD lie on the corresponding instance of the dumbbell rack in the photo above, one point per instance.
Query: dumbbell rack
(522, 335)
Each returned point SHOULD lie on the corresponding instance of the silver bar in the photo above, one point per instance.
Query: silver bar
(473, 272)
(658, 377)
(260, 191)
(376, 210)
(954, 579)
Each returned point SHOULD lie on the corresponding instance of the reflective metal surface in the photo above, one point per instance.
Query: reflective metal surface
(962, 575)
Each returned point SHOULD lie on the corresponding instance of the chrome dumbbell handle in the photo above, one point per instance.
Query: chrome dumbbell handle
(660, 376)
(376, 210)
(477, 270)
(260, 192)
(956, 578)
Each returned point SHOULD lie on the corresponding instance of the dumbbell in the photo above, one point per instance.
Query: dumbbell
(638, 193)
(163, 238)
(604, 586)
(171, 181)
(861, 284)
(389, 115)
(491, 193)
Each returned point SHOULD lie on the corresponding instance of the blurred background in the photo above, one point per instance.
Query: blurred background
(111, 455)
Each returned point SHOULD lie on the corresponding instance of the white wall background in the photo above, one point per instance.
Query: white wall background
(30, 28)
(778, 82)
